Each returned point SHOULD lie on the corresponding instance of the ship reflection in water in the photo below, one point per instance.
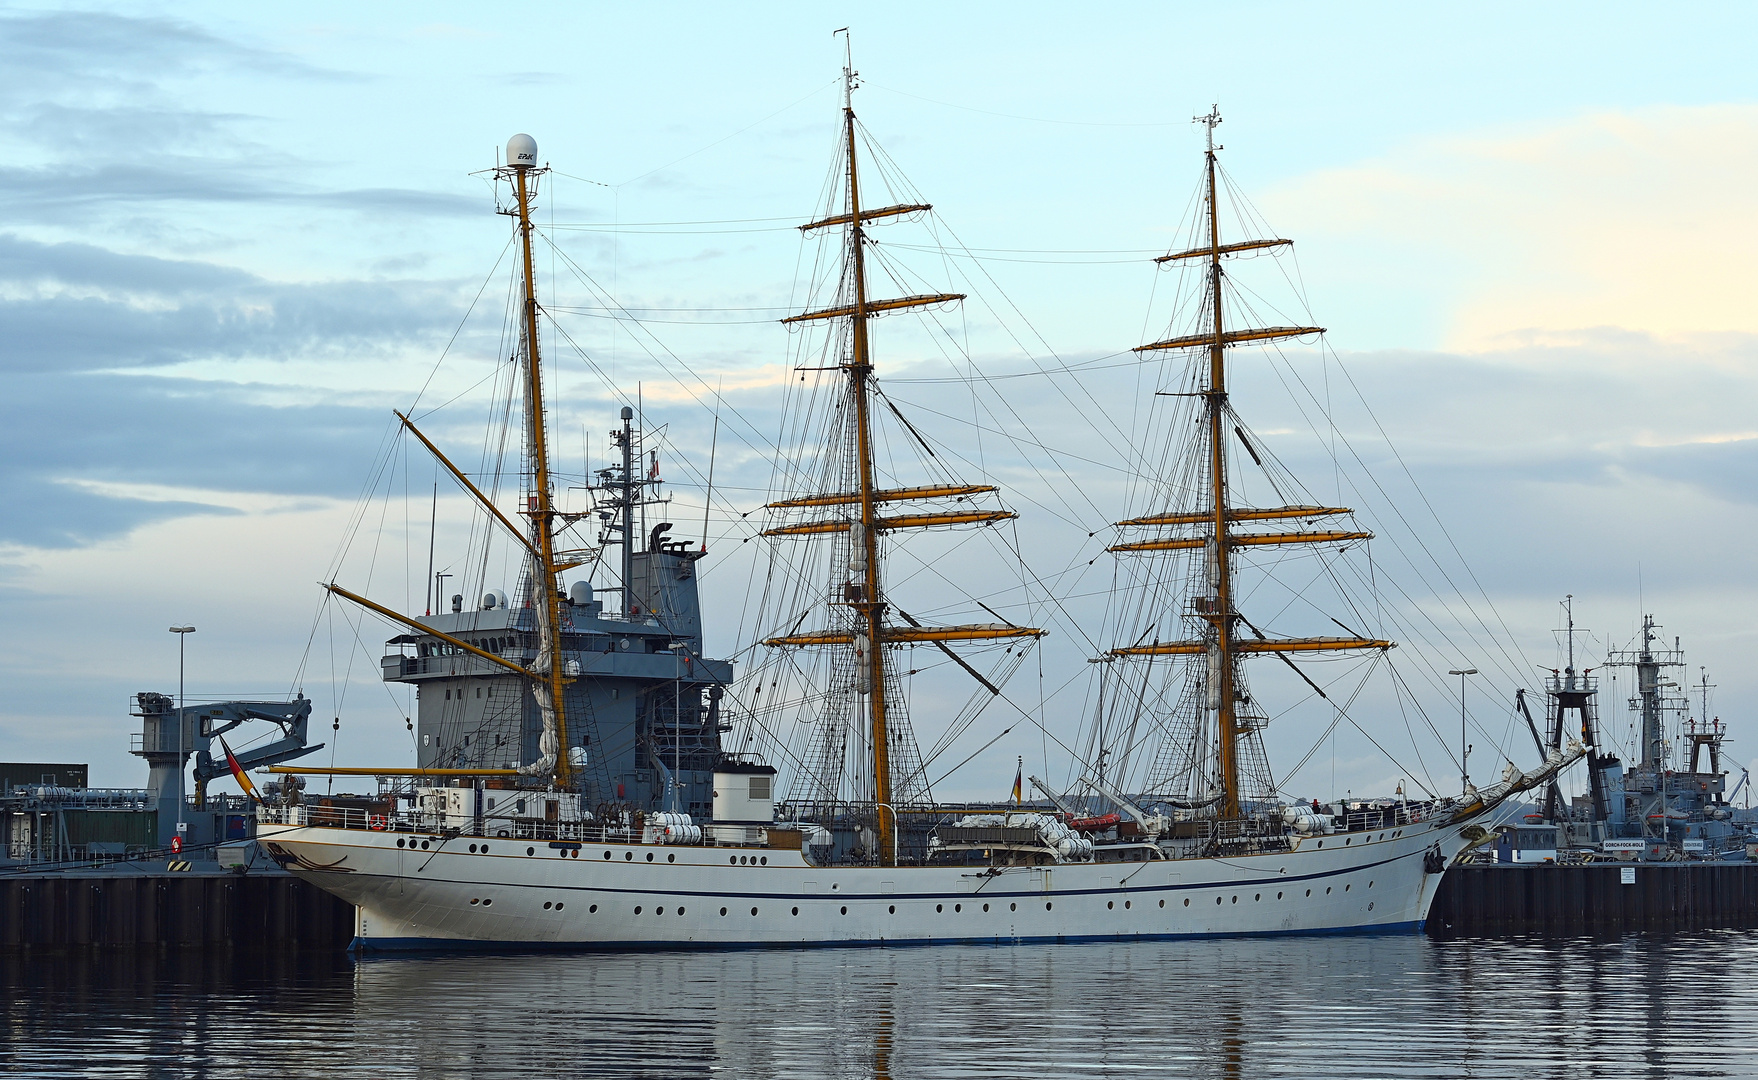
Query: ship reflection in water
(1357, 1007)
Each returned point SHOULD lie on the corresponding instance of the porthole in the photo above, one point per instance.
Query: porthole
(650, 856)
(424, 845)
(671, 858)
(533, 851)
(1346, 840)
(399, 841)
(637, 909)
(1046, 905)
(764, 860)
(575, 853)
(487, 902)
(1109, 905)
(628, 856)
(659, 911)
(742, 859)
(1236, 899)
(1162, 903)
(1397, 834)
(1345, 888)
(559, 905)
(796, 911)
(547, 905)
(753, 911)
(1309, 892)
(1327, 890)
(1370, 906)
(723, 913)
(1256, 897)
(1321, 843)
(985, 907)
(593, 910)
(939, 907)
(474, 901)
(957, 907)
(1370, 884)
(472, 849)
(1126, 905)
(1278, 896)
(732, 860)
(680, 911)
(606, 854)
(1187, 902)
(1217, 901)
(483, 849)
(1013, 907)
(892, 910)
(845, 911)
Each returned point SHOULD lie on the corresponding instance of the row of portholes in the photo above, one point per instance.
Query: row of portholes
(661, 910)
(1367, 839)
(1260, 896)
(411, 843)
(747, 860)
(559, 904)
(485, 903)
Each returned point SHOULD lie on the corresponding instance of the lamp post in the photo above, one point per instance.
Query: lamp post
(182, 633)
(1464, 747)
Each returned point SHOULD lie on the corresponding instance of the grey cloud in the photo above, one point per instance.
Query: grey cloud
(85, 44)
(59, 194)
(78, 307)
(160, 431)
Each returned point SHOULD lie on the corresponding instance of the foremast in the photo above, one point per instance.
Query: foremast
(862, 592)
(1221, 644)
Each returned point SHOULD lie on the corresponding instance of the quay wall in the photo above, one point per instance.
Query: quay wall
(1492, 900)
(176, 911)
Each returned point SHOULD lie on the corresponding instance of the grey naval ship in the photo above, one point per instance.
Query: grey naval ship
(573, 789)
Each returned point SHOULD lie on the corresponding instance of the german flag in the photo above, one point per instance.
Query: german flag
(238, 772)
(1018, 793)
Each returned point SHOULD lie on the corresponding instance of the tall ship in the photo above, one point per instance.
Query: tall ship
(590, 779)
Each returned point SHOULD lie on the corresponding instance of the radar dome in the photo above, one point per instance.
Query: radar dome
(521, 151)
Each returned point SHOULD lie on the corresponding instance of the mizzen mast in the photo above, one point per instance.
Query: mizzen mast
(550, 682)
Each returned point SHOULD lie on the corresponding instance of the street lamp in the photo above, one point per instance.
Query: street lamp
(1465, 748)
(182, 633)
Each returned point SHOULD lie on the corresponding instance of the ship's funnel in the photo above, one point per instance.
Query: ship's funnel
(521, 151)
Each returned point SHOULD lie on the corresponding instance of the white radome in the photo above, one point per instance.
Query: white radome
(522, 151)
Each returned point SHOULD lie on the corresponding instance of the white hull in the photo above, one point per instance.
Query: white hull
(522, 894)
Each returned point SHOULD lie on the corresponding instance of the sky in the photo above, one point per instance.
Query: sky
(232, 239)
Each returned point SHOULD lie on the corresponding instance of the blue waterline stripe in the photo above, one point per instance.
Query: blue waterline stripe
(449, 945)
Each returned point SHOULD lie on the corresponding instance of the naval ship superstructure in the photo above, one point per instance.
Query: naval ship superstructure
(1670, 801)
(643, 697)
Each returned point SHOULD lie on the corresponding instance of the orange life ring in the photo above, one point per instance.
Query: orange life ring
(376, 821)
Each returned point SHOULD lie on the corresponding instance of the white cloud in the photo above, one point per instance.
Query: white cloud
(1638, 220)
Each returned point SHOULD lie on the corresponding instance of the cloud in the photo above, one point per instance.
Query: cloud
(72, 307)
(1639, 220)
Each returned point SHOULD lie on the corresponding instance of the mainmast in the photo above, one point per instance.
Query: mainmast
(1220, 644)
(861, 591)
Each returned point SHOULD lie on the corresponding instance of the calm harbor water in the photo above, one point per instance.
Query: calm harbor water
(1672, 1006)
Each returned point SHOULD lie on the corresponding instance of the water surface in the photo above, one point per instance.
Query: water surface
(1665, 1006)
